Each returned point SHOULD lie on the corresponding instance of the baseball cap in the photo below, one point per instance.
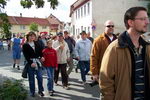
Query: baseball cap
(60, 34)
(83, 32)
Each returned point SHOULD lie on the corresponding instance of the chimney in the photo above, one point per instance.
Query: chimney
(20, 14)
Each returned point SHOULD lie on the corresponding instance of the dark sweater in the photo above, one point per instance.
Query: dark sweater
(30, 53)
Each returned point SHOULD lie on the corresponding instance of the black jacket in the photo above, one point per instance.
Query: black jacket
(29, 53)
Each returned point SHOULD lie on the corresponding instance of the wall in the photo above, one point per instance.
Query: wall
(113, 10)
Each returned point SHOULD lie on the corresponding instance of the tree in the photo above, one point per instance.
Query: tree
(5, 25)
(29, 3)
(34, 27)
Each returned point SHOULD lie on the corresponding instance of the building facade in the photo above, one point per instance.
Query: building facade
(100, 11)
(81, 16)
(107, 9)
(50, 25)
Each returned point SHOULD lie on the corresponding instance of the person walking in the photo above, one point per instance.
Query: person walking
(71, 44)
(16, 49)
(63, 55)
(33, 54)
(50, 64)
(82, 51)
(99, 46)
(125, 67)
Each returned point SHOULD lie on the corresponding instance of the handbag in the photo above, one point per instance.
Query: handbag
(25, 71)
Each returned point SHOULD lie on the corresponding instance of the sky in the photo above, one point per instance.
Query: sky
(62, 11)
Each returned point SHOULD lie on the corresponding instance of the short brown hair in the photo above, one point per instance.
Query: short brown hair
(29, 34)
(131, 13)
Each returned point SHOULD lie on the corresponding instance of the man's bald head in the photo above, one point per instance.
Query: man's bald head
(109, 27)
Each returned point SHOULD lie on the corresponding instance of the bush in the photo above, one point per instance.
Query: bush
(12, 90)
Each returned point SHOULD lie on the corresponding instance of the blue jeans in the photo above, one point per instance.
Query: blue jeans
(50, 79)
(31, 76)
(84, 68)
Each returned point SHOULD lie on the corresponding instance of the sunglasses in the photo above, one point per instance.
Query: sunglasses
(110, 26)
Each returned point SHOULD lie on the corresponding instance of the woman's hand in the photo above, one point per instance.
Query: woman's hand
(33, 65)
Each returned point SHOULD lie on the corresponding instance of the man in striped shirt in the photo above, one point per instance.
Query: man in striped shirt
(125, 68)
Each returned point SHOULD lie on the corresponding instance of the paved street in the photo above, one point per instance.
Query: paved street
(76, 89)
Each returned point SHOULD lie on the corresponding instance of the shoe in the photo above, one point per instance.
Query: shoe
(66, 87)
(56, 84)
(14, 65)
(32, 95)
(18, 67)
(51, 93)
(76, 70)
(41, 94)
(83, 83)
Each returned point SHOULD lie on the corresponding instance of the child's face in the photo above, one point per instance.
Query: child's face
(49, 45)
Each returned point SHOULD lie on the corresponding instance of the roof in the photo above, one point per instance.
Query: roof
(54, 22)
(76, 5)
(28, 20)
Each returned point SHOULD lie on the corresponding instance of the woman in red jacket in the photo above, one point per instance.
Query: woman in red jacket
(50, 63)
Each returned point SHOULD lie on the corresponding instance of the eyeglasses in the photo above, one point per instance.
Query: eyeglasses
(142, 19)
(110, 26)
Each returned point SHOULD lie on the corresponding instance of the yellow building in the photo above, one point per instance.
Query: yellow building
(50, 25)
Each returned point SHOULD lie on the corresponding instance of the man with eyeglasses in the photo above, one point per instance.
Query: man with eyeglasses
(99, 46)
(125, 67)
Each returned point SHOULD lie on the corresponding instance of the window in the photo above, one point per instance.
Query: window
(88, 8)
(81, 28)
(81, 11)
(88, 29)
(85, 29)
(78, 13)
(44, 27)
(22, 27)
(84, 10)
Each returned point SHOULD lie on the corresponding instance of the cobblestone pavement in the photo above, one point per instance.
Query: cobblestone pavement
(76, 89)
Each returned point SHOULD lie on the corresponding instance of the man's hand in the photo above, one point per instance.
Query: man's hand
(95, 77)
(42, 59)
(62, 46)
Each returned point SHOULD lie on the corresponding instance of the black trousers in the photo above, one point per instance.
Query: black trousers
(64, 75)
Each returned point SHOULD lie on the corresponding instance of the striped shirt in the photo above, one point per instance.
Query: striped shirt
(139, 78)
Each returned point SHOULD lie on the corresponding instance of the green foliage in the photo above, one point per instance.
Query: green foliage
(26, 3)
(34, 27)
(38, 3)
(12, 90)
(53, 3)
(3, 3)
(5, 25)
(29, 3)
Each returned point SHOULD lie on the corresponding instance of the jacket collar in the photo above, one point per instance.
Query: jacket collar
(125, 41)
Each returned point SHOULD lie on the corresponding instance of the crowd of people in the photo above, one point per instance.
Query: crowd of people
(120, 64)
(54, 55)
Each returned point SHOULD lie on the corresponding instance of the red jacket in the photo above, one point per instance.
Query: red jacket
(50, 57)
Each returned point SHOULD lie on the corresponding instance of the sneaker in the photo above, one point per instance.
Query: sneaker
(76, 70)
(51, 93)
(66, 87)
(18, 67)
(83, 83)
(56, 84)
(41, 94)
(32, 95)
(14, 65)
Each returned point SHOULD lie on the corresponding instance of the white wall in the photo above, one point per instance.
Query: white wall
(113, 10)
(83, 21)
